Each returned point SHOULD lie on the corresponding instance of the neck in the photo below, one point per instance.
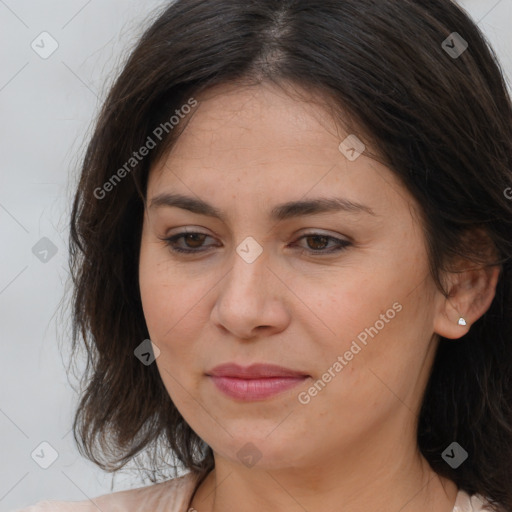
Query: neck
(368, 482)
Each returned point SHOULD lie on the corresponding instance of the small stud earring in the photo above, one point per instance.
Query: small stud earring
(462, 321)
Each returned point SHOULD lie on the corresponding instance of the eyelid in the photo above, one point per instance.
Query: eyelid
(197, 231)
(342, 243)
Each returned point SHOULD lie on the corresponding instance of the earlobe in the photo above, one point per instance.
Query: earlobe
(470, 294)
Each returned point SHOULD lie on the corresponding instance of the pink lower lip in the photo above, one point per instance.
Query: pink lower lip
(255, 389)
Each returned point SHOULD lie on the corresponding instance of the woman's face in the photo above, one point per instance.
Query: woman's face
(342, 296)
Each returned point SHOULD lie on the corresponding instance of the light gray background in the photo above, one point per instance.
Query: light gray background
(47, 107)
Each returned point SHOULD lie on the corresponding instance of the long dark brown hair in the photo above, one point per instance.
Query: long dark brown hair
(441, 121)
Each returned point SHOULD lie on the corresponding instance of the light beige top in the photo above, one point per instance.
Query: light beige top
(174, 496)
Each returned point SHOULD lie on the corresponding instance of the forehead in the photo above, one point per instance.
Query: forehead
(244, 125)
(237, 122)
(261, 145)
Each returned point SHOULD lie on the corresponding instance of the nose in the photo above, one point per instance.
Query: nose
(251, 300)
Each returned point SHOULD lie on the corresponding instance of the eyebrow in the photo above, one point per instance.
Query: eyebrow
(280, 212)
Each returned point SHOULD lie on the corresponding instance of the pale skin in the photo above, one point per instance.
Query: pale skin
(353, 446)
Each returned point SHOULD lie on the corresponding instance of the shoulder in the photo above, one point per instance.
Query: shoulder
(169, 496)
(474, 503)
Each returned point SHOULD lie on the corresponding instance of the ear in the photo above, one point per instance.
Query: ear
(470, 294)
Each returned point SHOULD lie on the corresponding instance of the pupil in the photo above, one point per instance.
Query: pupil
(323, 238)
(194, 237)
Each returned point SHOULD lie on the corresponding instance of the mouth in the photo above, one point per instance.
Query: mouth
(256, 382)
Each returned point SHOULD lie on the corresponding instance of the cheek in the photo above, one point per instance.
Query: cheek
(378, 323)
(174, 308)
(151, 293)
(166, 313)
(347, 303)
(158, 292)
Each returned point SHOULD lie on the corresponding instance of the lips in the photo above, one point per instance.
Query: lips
(255, 371)
(255, 382)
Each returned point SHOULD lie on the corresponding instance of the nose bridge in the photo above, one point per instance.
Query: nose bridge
(251, 296)
(242, 302)
(249, 269)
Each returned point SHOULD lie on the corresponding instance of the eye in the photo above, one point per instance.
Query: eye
(320, 241)
(195, 239)
(194, 243)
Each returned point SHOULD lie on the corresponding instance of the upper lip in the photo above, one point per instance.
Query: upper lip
(254, 371)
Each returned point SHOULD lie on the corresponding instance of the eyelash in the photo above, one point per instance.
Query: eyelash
(342, 244)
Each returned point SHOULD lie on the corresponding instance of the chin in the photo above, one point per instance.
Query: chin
(262, 451)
